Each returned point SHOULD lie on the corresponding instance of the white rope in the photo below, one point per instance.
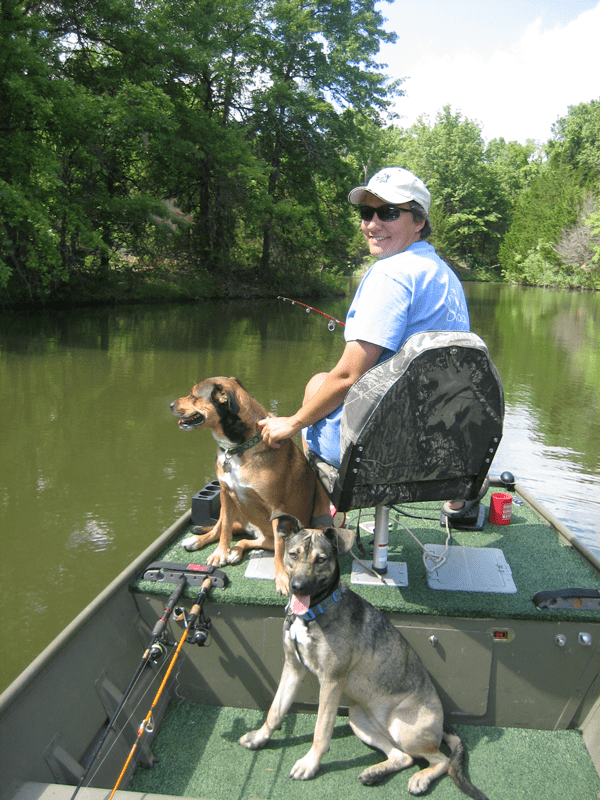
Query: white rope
(438, 559)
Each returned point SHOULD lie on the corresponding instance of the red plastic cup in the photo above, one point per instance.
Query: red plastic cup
(500, 508)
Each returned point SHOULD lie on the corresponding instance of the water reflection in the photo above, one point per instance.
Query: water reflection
(546, 345)
(95, 535)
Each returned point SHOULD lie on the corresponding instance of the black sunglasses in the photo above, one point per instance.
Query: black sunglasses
(387, 213)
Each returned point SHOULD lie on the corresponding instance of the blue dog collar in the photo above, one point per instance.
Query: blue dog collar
(321, 608)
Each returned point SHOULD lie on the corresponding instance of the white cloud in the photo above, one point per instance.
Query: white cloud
(517, 92)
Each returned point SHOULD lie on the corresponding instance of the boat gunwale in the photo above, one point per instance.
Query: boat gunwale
(554, 523)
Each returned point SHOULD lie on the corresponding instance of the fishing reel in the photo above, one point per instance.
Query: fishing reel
(158, 650)
(199, 633)
(199, 629)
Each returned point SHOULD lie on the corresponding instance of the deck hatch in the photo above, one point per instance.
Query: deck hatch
(471, 569)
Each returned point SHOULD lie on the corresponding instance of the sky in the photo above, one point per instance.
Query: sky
(513, 66)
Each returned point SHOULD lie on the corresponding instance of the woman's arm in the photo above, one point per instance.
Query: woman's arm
(357, 358)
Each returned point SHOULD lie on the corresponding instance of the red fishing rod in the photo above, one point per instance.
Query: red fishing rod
(332, 320)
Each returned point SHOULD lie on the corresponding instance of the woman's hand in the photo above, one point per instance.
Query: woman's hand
(274, 429)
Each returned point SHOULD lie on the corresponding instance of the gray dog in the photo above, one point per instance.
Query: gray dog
(353, 649)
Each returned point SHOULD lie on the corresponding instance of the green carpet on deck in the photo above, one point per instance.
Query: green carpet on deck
(539, 560)
(200, 758)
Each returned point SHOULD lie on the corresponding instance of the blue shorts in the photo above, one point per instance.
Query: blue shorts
(324, 437)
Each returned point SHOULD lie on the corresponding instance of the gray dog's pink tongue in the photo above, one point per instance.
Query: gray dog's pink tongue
(300, 604)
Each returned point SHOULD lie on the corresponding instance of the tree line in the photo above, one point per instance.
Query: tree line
(170, 149)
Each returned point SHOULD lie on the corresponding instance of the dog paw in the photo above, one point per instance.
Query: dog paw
(218, 558)
(234, 556)
(254, 740)
(306, 768)
(190, 543)
(419, 783)
(282, 583)
(371, 776)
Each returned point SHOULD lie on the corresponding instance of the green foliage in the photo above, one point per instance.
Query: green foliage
(553, 209)
(514, 164)
(542, 211)
(214, 133)
(593, 266)
(539, 267)
(576, 142)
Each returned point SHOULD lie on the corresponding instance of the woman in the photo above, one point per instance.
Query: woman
(409, 290)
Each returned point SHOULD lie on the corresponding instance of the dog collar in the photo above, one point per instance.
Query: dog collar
(320, 608)
(240, 448)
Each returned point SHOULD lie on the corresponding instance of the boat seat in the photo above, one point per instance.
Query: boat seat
(423, 425)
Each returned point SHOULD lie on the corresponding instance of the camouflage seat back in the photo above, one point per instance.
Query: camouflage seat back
(424, 425)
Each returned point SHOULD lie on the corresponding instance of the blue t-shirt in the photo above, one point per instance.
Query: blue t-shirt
(404, 294)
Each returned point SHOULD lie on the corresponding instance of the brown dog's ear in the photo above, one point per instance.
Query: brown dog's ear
(342, 538)
(238, 381)
(286, 524)
(224, 397)
(233, 404)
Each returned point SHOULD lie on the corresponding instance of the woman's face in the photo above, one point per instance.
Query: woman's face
(388, 238)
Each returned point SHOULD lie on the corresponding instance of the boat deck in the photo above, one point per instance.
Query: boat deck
(199, 757)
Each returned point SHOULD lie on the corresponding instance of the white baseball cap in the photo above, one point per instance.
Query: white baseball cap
(393, 185)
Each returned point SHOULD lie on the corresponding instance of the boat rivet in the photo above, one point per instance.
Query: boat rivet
(560, 640)
(433, 640)
(585, 639)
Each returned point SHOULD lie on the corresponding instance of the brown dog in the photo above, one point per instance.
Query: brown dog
(255, 479)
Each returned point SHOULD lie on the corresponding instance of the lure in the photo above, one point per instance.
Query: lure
(332, 320)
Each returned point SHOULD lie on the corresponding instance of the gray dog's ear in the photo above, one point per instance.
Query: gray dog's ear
(343, 539)
(286, 524)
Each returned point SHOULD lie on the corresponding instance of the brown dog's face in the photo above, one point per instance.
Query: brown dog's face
(208, 404)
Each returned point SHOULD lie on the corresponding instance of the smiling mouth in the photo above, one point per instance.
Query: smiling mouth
(189, 423)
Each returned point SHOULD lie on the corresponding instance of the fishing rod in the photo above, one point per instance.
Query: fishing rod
(190, 633)
(332, 320)
(152, 651)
